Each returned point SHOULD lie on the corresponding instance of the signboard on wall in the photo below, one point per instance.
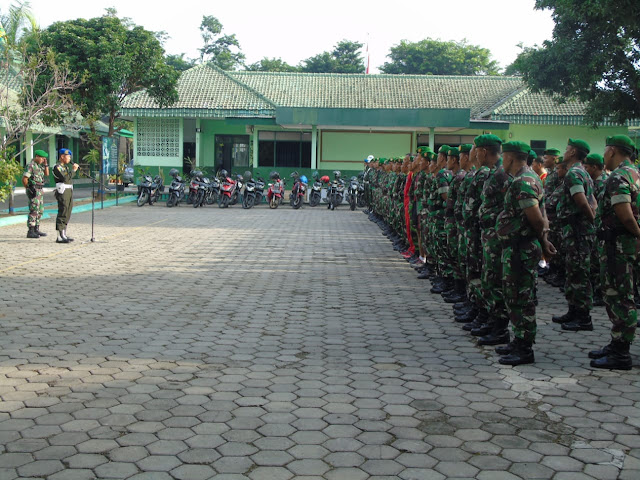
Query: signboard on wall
(109, 156)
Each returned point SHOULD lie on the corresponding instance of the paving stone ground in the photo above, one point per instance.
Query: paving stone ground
(266, 345)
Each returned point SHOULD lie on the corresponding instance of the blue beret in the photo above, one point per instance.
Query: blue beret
(64, 151)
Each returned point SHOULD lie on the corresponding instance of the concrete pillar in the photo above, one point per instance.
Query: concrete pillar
(181, 146)
(29, 150)
(254, 139)
(432, 138)
(198, 148)
(314, 147)
(414, 142)
(53, 156)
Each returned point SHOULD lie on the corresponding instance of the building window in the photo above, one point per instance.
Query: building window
(538, 146)
(284, 149)
(232, 151)
(158, 137)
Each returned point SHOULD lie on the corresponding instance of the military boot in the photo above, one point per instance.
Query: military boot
(459, 293)
(567, 317)
(617, 358)
(499, 333)
(40, 234)
(521, 353)
(480, 320)
(469, 317)
(581, 321)
(504, 349)
(32, 233)
(485, 328)
(602, 352)
(441, 286)
(598, 301)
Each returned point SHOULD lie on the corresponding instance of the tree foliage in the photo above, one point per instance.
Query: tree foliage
(346, 57)
(435, 57)
(271, 65)
(179, 62)
(18, 21)
(593, 56)
(221, 50)
(114, 59)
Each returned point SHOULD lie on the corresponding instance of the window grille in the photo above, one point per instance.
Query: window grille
(158, 137)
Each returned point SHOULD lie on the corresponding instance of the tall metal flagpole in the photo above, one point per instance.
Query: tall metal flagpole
(368, 56)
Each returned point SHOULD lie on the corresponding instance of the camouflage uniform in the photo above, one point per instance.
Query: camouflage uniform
(552, 193)
(451, 225)
(577, 236)
(458, 212)
(597, 251)
(493, 195)
(443, 184)
(620, 252)
(521, 252)
(35, 174)
(472, 229)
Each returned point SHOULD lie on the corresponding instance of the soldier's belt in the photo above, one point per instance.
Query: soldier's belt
(61, 187)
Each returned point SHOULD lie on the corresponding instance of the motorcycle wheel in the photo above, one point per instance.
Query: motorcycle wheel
(210, 199)
(224, 202)
(352, 203)
(361, 201)
(297, 203)
(142, 199)
(234, 200)
(172, 200)
(191, 198)
(198, 200)
(274, 202)
(314, 200)
(248, 201)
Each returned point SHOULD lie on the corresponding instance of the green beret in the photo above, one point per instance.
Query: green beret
(516, 146)
(41, 153)
(427, 150)
(444, 149)
(594, 159)
(454, 152)
(533, 154)
(579, 144)
(553, 151)
(466, 148)
(621, 141)
(487, 140)
(382, 161)
(432, 156)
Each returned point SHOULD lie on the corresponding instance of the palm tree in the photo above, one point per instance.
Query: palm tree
(18, 22)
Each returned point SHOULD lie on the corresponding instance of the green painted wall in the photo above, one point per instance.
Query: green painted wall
(347, 150)
(557, 135)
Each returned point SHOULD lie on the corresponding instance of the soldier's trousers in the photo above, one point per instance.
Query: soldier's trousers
(519, 271)
(616, 274)
(474, 265)
(36, 209)
(577, 251)
(65, 205)
(461, 253)
(594, 274)
(491, 277)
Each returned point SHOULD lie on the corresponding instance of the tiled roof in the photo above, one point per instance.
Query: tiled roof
(208, 88)
(207, 91)
(379, 91)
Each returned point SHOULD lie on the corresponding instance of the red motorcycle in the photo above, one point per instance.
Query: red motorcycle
(228, 188)
(276, 191)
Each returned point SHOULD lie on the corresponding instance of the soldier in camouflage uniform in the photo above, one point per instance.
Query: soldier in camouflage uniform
(418, 192)
(487, 153)
(439, 192)
(33, 182)
(594, 165)
(495, 331)
(523, 228)
(425, 225)
(552, 193)
(619, 212)
(576, 214)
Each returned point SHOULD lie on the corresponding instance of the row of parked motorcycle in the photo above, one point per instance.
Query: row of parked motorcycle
(225, 190)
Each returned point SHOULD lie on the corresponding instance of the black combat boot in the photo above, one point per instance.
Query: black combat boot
(581, 321)
(559, 280)
(598, 301)
(504, 349)
(617, 357)
(32, 233)
(469, 317)
(498, 335)
(567, 317)
(40, 234)
(521, 353)
(459, 293)
(485, 328)
(441, 285)
(480, 320)
(602, 352)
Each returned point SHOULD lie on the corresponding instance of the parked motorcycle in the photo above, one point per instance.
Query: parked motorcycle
(315, 195)
(300, 183)
(176, 189)
(196, 175)
(127, 176)
(213, 190)
(260, 184)
(237, 194)
(335, 191)
(361, 200)
(276, 191)
(353, 192)
(227, 190)
(150, 189)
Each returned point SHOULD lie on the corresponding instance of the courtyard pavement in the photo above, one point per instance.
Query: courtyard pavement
(229, 344)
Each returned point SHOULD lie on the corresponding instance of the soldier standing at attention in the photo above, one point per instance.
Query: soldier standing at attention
(576, 214)
(33, 181)
(619, 213)
(63, 174)
(523, 228)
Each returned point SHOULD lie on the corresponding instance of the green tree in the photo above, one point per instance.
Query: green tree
(179, 62)
(18, 22)
(271, 65)
(435, 57)
(221, 50)
(593, 56)
(346, 57)
(114, 60)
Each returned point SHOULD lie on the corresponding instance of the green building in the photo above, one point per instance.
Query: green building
(299, 121)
